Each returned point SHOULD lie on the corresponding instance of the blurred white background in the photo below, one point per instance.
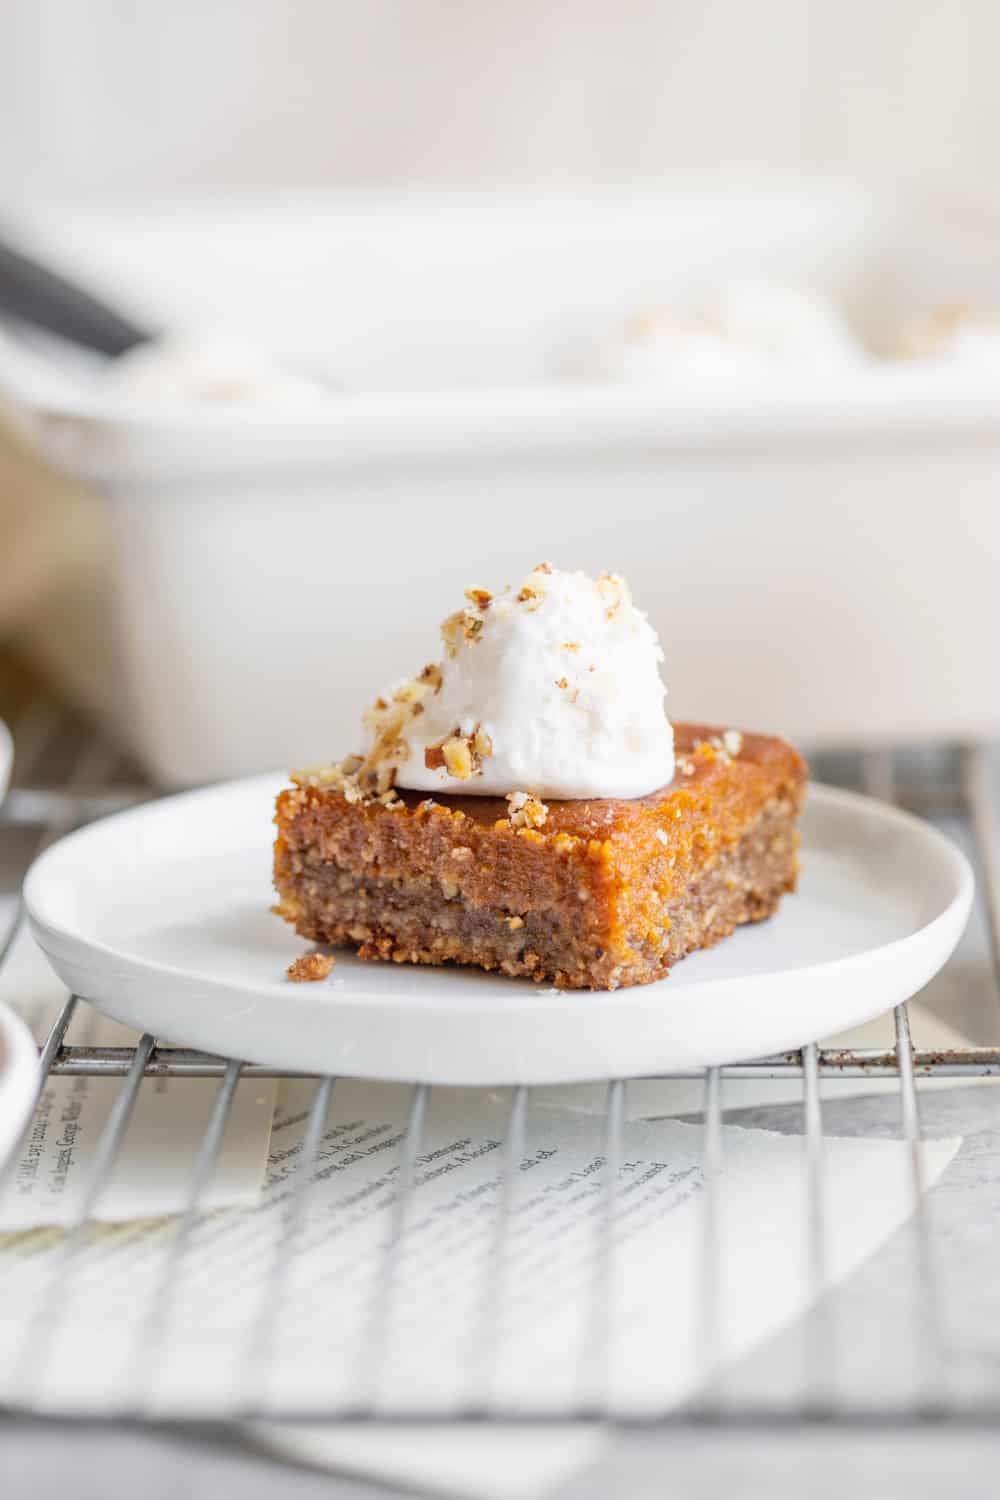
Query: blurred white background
(207, 94)
(134, 557)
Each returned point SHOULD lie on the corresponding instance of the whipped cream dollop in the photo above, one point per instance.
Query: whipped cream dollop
(741, 332)
(187, 367)
(787, 323)
(956, 334)
(550, 687)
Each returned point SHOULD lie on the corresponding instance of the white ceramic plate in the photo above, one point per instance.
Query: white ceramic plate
(160, 917)
(18, 1079)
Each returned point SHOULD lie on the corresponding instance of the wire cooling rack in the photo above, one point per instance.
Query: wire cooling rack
(67, 776)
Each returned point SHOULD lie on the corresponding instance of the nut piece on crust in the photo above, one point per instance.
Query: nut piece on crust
(461, 755)
(309, 967)
(526, 811)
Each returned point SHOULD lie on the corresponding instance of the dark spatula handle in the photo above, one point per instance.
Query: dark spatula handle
(34, 294)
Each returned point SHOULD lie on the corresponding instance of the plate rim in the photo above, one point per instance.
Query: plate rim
(19, 1077)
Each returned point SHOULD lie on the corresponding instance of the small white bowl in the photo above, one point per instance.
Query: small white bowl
(6, 758)
(18, 1053)
(18, 1079)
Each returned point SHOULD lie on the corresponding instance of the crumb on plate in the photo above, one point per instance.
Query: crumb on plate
(309, 967)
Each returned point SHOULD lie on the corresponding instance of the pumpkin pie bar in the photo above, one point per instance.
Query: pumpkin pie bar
(586, 894)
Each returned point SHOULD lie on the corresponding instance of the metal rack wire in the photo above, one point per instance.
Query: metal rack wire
(92, 782)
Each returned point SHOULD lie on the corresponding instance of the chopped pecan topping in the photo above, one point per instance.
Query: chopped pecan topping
(931, 334)
(344, 775)
(368, 780)
(532, 590)
(615, 591)
(724, 747)
(481, 598)
(526, 811)
(458, 758)
(462, 755)
(461, 626)
(388, 722)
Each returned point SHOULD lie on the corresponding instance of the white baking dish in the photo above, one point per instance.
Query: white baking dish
(820, 556)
